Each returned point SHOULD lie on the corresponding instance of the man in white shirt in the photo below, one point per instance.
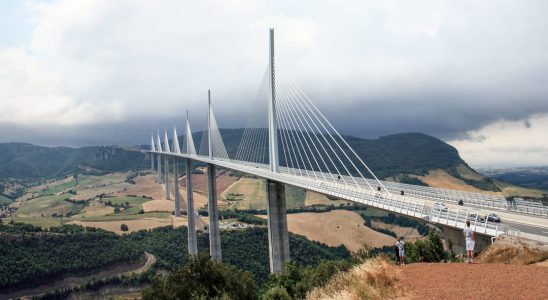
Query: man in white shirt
(470, 241)
(400, 244)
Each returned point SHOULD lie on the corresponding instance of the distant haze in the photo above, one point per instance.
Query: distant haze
(473, 73)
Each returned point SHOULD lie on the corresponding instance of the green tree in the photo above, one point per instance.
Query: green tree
(202, 278)
(276, 293)
(124, 227)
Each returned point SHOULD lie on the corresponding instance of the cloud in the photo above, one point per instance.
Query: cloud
(440, 67)
(507, 143)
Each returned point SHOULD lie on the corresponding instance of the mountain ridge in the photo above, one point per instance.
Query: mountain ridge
(393, 156)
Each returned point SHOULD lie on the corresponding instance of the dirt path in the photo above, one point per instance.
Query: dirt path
(151, 260)
(473, 281)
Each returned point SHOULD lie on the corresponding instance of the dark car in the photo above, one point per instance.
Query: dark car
(493, 218)
(472, 218)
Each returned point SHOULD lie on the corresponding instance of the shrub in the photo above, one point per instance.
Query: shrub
(202, 278)
(124, 227)
(276, 293)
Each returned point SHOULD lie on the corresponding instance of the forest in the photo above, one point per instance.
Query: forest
(30, 254)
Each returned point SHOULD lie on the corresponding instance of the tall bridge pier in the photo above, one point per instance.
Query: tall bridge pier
(176, 187)
(192, 242)
(456, 242)
(278, 237)
(166, 176)
(151, 156)
(213, 212)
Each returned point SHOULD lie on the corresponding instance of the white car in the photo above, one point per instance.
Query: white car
(439, 207)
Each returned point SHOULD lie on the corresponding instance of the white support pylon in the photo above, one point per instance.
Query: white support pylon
(209, 144)
(176, 147)
(159, 158)
(190, 149)
(166, 165)
(272, 114)
(153, 149)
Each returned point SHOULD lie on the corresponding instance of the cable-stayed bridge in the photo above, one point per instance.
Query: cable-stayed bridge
(287, 140)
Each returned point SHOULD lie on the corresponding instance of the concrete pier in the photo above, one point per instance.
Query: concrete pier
(278, 238)
(159, 163)
(166, 167)
(213, 212)
(176, 187)
(457, 243)
(151, 155)
(192, 242)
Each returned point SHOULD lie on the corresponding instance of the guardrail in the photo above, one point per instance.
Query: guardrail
(393, 202)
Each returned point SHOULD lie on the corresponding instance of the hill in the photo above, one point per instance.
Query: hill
(22, 164)
(397, 156)
(406, 157)
(535, 178)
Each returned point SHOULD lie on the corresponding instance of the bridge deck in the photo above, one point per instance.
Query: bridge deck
(408, 205)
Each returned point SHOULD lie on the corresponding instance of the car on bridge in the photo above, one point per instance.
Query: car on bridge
(438, 206)
(493, 218)
(472, 218)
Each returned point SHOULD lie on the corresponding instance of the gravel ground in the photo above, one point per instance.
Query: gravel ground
(474, 281)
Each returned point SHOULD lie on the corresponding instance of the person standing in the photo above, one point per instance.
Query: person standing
(470, 242)
(400, 244)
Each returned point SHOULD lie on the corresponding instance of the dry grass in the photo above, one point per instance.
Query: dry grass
(133, 225)
(441, 179)
(313, 198)
(513, 251)
(338, 227)
(94, 209)
(409, 233)
(159, 205)
(374, 279)
(115, 189)
(253, 191)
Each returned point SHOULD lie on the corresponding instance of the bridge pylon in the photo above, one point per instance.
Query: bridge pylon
(272, 113)
(159, 157)
(151, 155)
(177, 150)
(192, 241)
(166, 165)
(213, 210)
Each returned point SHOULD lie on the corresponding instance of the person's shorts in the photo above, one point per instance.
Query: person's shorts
(470, 245)
(402, 252)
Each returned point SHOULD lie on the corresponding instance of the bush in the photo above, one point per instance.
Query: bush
(251, 219)
(202, 278)
(124, 227)
(276, 293)
(298, 281)
(428, 250)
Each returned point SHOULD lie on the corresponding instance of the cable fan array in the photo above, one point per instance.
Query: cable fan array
(308, 144)
(218, 148)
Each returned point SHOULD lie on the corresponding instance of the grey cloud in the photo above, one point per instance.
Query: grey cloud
(376, 68)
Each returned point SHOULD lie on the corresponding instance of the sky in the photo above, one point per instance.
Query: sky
(472, 73)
